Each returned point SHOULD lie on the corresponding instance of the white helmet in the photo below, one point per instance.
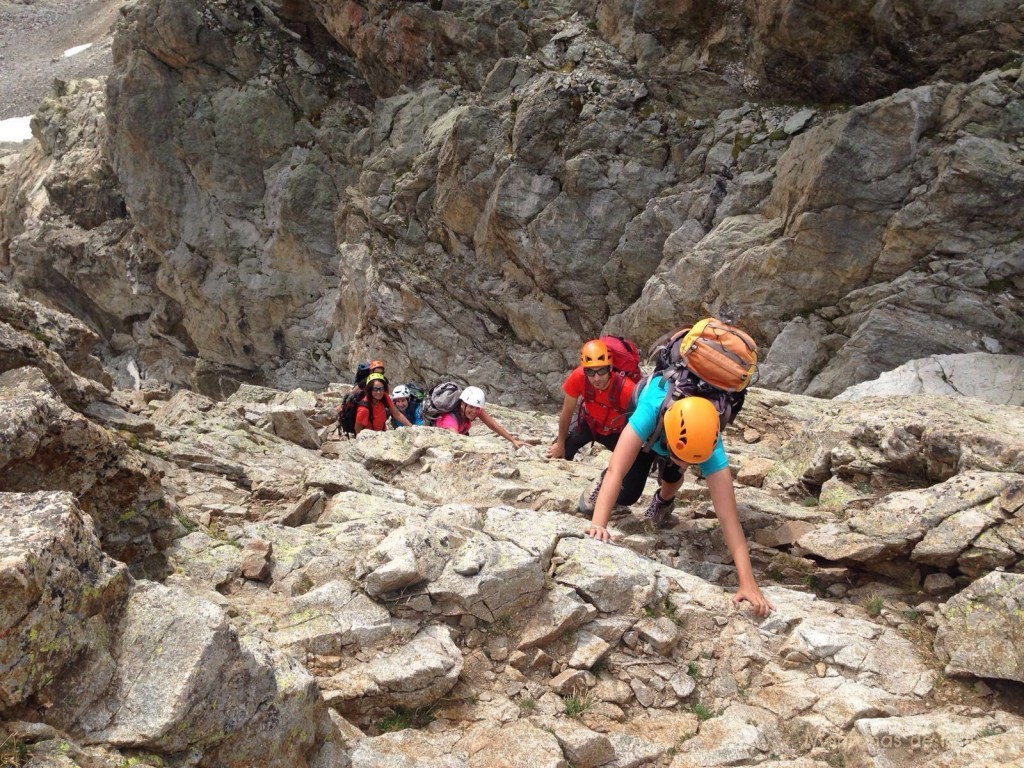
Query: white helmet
(400, 391)
(473, 396)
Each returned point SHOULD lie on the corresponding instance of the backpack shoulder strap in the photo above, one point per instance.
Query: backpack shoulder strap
(676, 376)
(615, 395)
(659, 428)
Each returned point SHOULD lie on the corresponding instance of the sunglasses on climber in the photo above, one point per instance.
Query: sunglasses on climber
(376, 389)
(595, 372)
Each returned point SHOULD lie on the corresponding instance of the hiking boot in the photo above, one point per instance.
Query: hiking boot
(658, 510)
(588, 499)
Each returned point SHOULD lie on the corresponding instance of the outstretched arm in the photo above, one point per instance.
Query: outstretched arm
(557, 450)
(723, 498)
(625, 453)
(497, 429)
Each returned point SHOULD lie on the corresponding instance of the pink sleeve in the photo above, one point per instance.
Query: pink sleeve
(448, 421)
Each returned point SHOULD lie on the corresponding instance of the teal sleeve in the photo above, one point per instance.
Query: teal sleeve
(717, 461)
(645, 417)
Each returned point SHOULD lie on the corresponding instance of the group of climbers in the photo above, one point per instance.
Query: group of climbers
(673, 418)
(369, 404)
(446, 406)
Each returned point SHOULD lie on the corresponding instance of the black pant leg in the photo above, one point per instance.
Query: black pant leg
(579, 436)
(608, 441)
(636, 478)
(669, 471)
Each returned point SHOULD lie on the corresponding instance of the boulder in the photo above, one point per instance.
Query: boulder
(44, 444)
(937, 526)
(206, 558)
(862, 649)
(174, 677)
(981, 628)
(727, 740)
(581, 746)
(412, 554)
(487, 578)
(929, 739)
(256, 560)
(559, 611)
(879, 438)
(619, 580)
(331, 620)
(61, 593)
(415, 675)
(22, 349)
(291, 424)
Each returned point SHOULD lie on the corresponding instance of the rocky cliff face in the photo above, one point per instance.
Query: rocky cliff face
(270, 192)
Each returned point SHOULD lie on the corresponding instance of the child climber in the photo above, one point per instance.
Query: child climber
(688, 433)
(471, 406)
(606, 394)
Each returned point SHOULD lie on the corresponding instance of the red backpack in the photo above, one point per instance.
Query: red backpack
(625, 356)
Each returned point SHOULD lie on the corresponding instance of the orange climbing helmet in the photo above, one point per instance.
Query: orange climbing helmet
(594, 354)
(377, 364)
(691, 429)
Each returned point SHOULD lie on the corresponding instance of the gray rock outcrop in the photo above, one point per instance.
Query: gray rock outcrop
(521, 184)
(942, 741)
(59, 590)
(176, 675)
(823, 52)
(995, 378)
(971, 521)
(46, 445)
(133, 664)
(991, 607)
(53, 342)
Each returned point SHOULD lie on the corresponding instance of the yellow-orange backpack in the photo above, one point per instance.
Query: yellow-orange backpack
(720, 354)
(710, 359)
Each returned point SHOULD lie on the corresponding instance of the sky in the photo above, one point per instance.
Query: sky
(17, 129)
